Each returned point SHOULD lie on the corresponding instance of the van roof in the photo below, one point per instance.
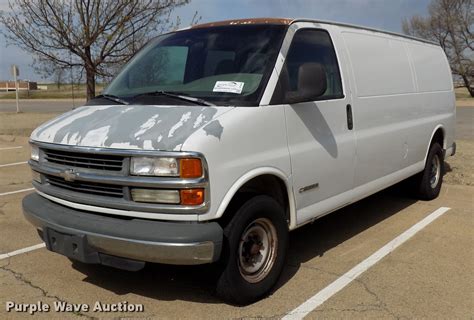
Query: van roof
(273, 21)
(288, 21)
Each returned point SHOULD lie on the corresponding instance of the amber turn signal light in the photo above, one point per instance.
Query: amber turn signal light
(190, 168)
(192, 197)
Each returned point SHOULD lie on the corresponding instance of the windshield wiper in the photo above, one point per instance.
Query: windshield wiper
(176, 95)
(111, 98)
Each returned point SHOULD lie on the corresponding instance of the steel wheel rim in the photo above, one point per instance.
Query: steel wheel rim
(257, 250)
(435, 171)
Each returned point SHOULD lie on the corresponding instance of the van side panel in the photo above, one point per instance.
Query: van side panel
(435, 86)
(435, 99)
(383, 100)
(380, 65)
(432, 71)
(403, 92)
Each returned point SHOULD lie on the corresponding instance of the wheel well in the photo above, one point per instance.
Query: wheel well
(267, 184)
(438, 137)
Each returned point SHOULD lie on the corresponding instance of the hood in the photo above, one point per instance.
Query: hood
(128, 126)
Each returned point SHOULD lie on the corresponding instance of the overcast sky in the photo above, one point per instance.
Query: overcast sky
(382, 14)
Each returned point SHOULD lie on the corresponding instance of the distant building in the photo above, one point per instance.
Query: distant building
(22, 85)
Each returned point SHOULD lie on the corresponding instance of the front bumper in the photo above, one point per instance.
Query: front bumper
(93, 238)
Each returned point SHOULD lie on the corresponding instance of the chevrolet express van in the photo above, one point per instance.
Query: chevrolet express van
(215, 141)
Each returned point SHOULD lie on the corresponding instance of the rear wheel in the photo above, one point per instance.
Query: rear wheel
(255, 244)
(429, 181)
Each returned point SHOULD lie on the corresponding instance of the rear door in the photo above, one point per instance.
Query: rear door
(386, 106)
(320, 139)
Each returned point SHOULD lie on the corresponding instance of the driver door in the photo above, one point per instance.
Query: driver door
(320, 139)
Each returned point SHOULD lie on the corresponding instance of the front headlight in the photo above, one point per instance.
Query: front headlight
(34, 153)
(187, 168)
(148, 166)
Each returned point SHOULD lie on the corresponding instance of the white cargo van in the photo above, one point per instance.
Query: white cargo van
(215, 141)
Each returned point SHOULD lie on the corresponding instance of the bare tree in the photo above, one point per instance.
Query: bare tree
(58, 76)
(50, 70)
(450, 24)
(89, 34)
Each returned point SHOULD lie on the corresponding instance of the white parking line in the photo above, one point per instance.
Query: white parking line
(11, 148)
(20, 251)
(13, 164)
(323, 295)
(16, 191)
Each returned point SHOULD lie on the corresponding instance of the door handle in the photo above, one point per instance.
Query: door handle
(350, 123)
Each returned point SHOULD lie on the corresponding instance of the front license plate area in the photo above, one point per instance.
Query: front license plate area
(72, 246)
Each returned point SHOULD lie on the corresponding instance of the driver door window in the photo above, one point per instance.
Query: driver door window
(309, 46)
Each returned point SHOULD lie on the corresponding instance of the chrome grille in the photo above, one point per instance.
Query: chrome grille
(67, 174)
(84, 160)
(99, 189)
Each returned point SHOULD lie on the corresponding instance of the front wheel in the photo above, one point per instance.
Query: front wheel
(255, 244)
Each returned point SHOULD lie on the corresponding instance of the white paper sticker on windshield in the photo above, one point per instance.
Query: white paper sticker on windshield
(229, 86)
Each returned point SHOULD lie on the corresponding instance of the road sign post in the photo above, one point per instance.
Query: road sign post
(15, 73)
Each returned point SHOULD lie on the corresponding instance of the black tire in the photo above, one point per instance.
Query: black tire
(427, 185)
(236, 285)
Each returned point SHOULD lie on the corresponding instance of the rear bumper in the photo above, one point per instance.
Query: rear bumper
(103, 239)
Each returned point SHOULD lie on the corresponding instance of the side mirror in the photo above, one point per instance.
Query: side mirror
(312, 83)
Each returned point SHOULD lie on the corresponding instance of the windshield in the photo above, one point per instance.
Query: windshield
(227, 65)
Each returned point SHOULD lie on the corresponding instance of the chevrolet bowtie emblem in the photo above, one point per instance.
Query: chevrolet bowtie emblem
(69, 175)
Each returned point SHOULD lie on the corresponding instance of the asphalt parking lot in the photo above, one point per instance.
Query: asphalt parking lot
(427, 276)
